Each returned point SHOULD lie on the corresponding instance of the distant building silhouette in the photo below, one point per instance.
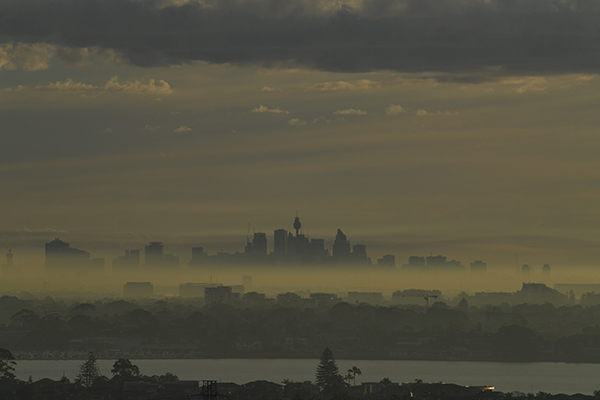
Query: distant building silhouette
(436, 261)
(199, 257)
(297, 224)
(154, 257)
(129, 262)
(526, 269)
(387, 260)
(255, 299)
(291, 299)
(190, 290)
(433, 264)
(153, 254)
(538, 293)
(341, 247)
(298, 246)
(324, 299)
(297, 249)
(60, 255)
(578, 289)
(259, 244)
(220, 294)
(478, 267)
(415, 263)
(288, 248)
(280, 242)
(10, 269)
(359, 254)
(546, 269)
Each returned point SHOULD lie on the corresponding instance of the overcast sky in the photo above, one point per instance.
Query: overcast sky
(468, 128)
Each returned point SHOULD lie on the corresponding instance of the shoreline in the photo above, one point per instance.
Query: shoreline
(170, 358)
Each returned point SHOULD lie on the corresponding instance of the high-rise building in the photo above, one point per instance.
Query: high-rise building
(154, 257)
(280, 242)
(341, 246)
(153, 254)
(199, 257)
(359, 254)
(259, 244)
(317, 250)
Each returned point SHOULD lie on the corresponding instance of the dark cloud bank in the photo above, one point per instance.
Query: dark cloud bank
(454, 36)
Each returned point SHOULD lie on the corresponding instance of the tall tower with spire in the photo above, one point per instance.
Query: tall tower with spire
(297, 224)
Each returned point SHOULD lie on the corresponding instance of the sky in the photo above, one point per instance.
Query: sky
(468, 128)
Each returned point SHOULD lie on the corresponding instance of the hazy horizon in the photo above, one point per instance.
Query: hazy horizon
(466, 129)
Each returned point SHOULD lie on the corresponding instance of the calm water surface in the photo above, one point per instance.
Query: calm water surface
(530, 377)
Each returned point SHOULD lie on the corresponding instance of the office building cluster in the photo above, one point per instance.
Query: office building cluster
(441, 264)
(289, 248)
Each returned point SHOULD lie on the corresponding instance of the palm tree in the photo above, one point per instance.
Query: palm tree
(354, 371)
(348, 378)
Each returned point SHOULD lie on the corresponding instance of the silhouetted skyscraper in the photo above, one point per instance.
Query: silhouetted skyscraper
(359, 253)
(153, 254)
(249, 249)
(154, 257)
(259, 243)
(280, 242)
(341, 247)
(198, 256)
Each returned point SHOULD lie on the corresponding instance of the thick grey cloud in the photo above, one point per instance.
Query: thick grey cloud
(473, 37)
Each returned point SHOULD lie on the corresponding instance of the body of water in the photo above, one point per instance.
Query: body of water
(524, 377)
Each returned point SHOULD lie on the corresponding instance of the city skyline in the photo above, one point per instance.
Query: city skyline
(467, 129)
(287, 249)
(257, 244)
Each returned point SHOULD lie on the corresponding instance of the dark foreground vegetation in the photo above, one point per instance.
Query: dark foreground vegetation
(127, 383)
(175, 328)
